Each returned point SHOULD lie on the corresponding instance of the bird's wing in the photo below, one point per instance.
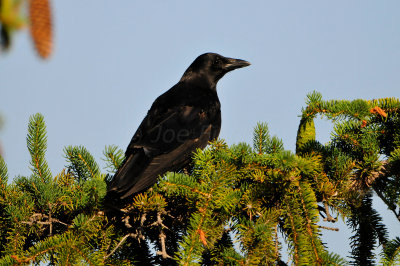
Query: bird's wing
(163, 130)
(163, 162)
(164, 141)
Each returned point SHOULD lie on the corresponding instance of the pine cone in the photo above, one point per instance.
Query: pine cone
(41, 26)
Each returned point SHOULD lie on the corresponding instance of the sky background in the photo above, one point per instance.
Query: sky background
(113, 58)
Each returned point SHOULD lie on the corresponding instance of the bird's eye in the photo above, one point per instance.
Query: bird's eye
(216, 62)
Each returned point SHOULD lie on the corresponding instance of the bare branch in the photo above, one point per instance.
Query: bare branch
(163, 252)
(329, 228)
(118, 245)
(329, 217)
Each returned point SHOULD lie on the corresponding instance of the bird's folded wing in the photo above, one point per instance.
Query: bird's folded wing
(161, 144)
(161, 163)
(163, 132)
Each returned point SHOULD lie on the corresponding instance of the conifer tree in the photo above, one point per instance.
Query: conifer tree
(235, 205)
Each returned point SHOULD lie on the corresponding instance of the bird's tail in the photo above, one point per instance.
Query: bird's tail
(127, 175)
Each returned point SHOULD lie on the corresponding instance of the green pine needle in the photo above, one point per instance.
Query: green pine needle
(81, 163)
(37, 145)
(3, 172)
(113, 158)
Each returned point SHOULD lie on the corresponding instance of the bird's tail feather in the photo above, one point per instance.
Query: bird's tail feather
(128, 174)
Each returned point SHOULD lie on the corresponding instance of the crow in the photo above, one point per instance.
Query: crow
(182, 119)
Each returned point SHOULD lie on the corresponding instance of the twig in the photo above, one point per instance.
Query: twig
(118, 245)
(328, 218)
(139, 230)
(36, 218)
(143, 219)
(40, 222)
(276, 242)
(50, 220)
(383, 171)
(159, 222)
(328, 228)
(163, 252)
(126, 221)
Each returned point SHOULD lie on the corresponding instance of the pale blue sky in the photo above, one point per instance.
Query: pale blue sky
(113, 58)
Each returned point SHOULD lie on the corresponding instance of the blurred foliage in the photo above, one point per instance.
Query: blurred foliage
(236, 205)
(14, 17)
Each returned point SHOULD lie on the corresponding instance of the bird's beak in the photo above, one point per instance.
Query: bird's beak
(235, 63)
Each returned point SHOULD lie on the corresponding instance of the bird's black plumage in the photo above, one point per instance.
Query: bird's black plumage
(184, 118)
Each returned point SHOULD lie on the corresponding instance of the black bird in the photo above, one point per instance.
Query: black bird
(184, 118)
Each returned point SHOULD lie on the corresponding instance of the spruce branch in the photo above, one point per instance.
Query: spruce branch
(82, 163)
(251, 192)
(37, 145)
(260, 137)
(391, 253)
(308, 201)
(43, 219)
(3, 173)
(113, 158)
(61, 244)
(390, 206)
(382, 172)
(305, 134)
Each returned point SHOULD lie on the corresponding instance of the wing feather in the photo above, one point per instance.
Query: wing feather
(161, 144)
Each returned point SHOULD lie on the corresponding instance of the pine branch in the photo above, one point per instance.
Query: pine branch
(64, 244)
(341, 109)
(305, 133)
(260, 137)
(82, 163)
(3, 173)
(113, 158)
(367, 227)
(37, 145)
(43, 219)
(382, 173)
(309, 205)
(330, 258)
(391, 253)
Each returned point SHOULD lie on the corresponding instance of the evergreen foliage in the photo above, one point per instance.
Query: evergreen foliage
(391, 253)
(234, 205)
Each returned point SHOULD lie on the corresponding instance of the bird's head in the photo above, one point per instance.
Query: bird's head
(212, 67)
